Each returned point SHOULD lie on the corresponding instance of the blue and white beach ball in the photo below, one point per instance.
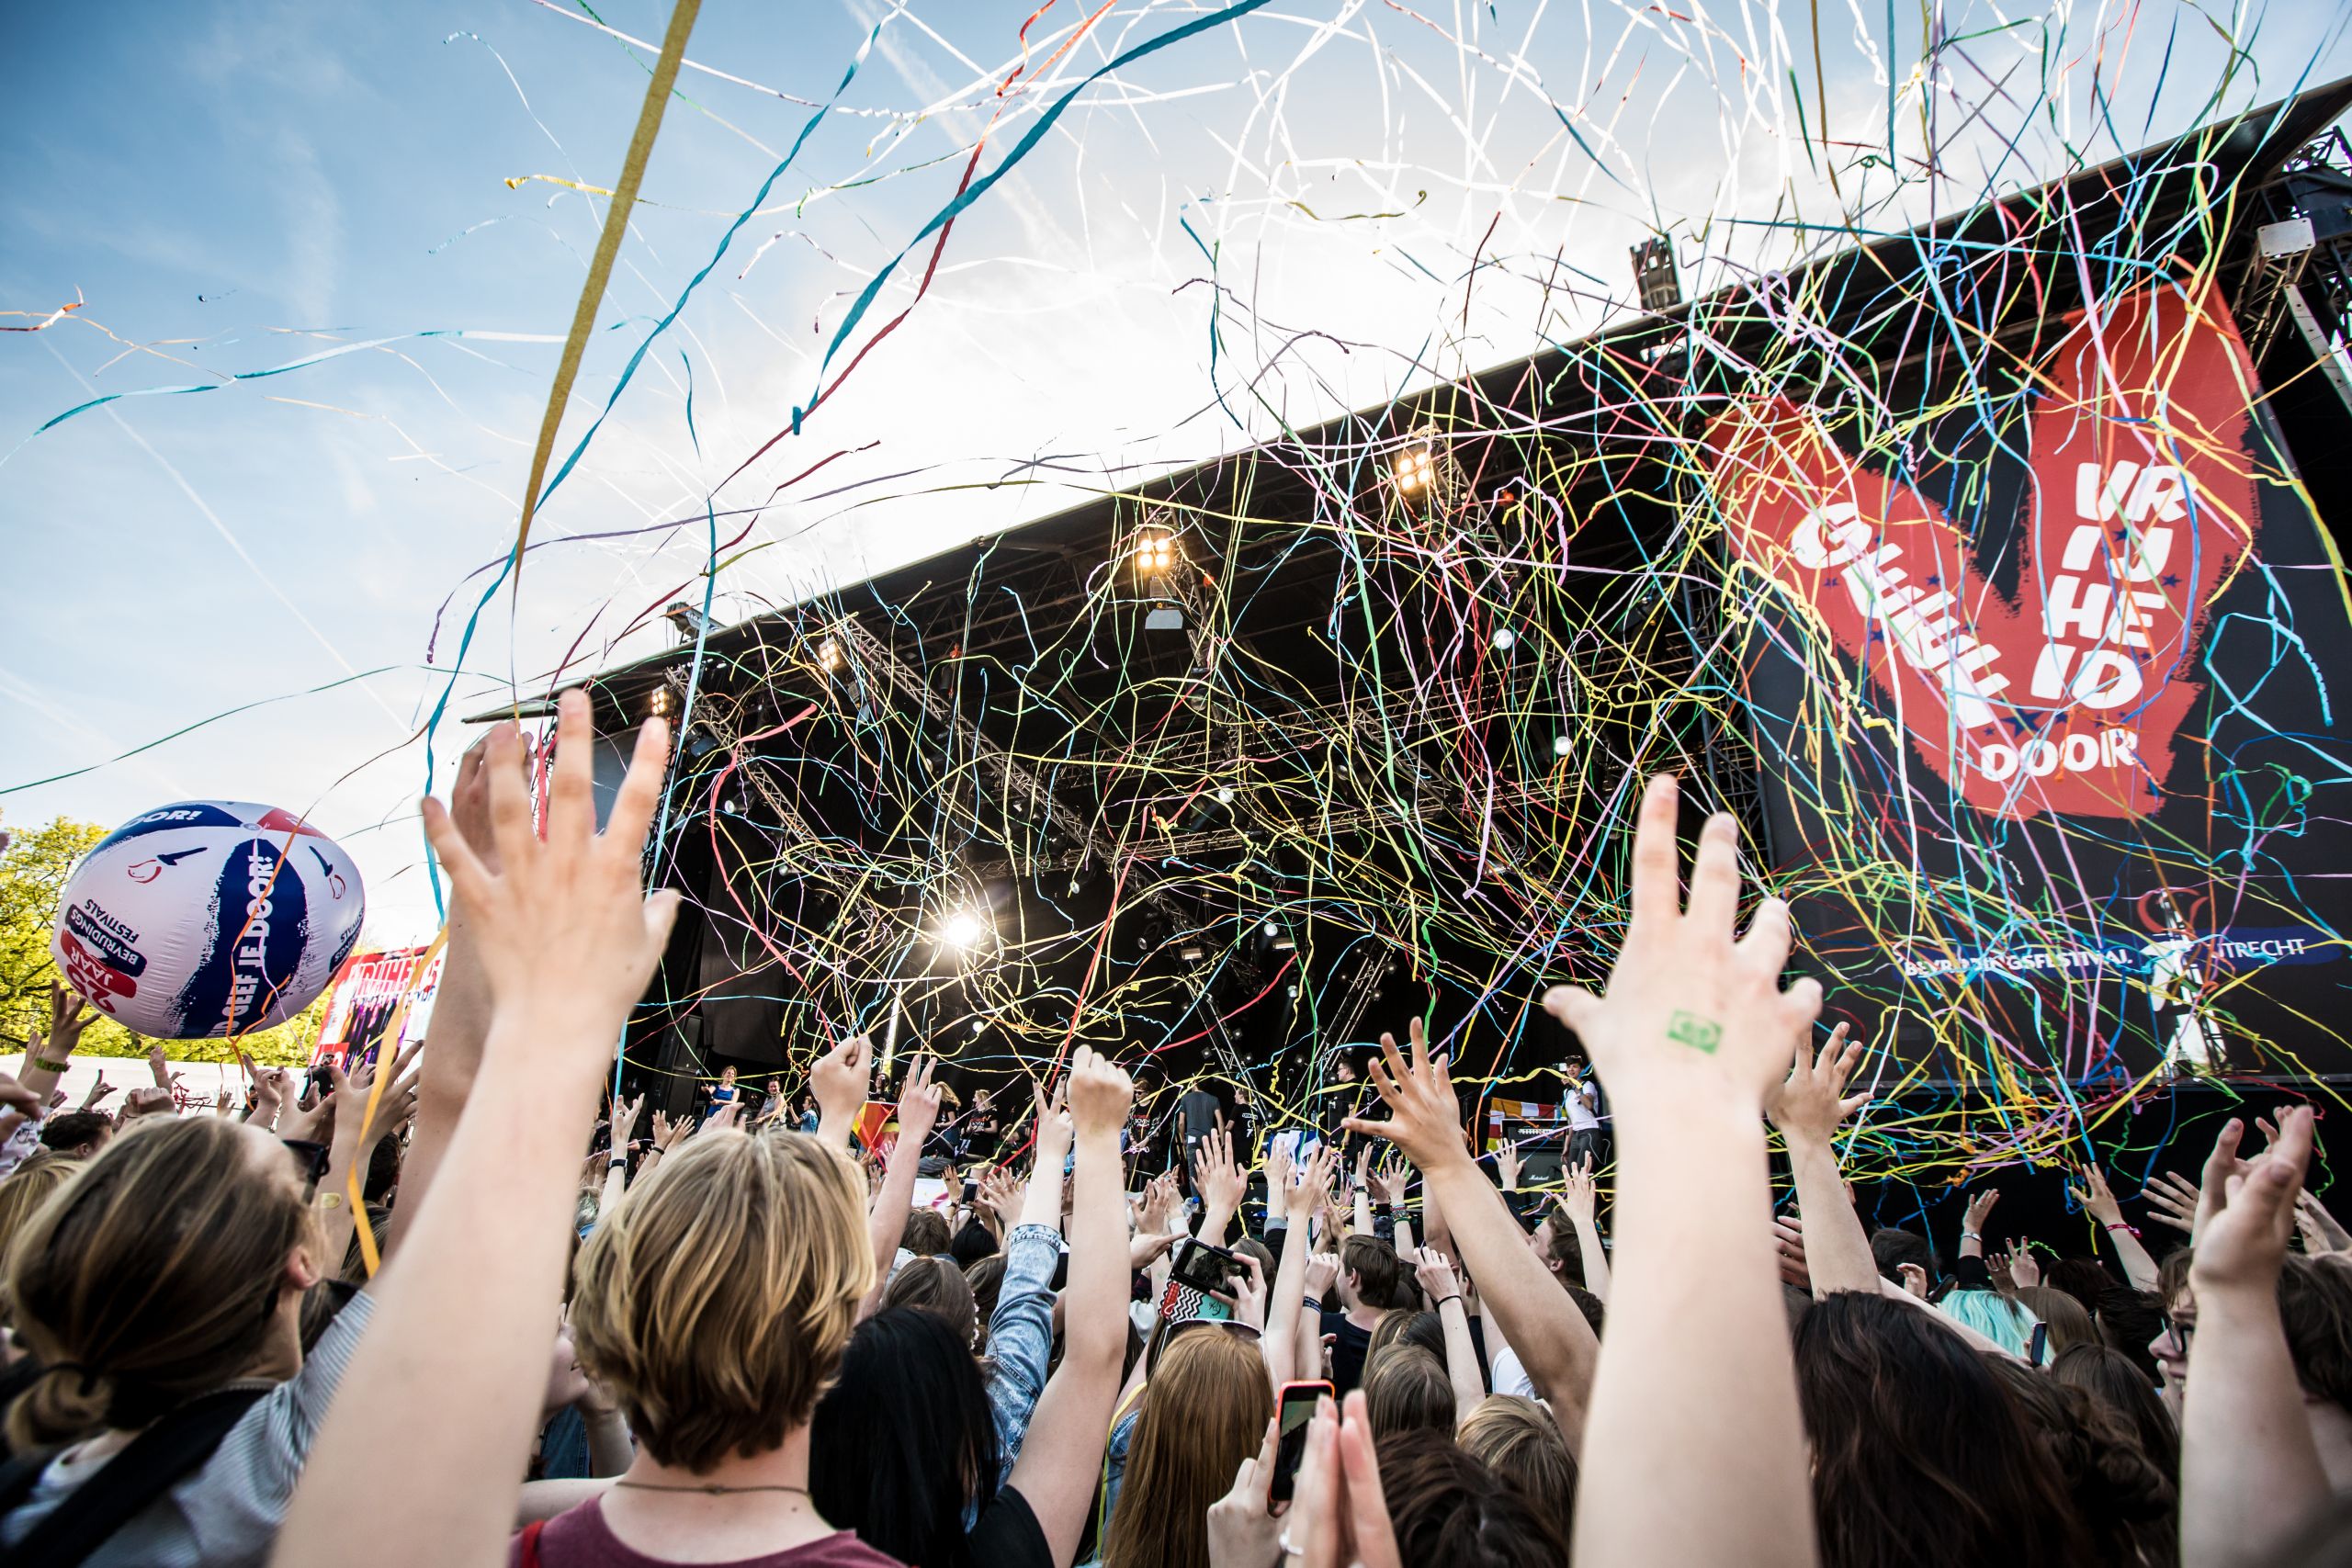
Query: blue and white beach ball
(207, 918)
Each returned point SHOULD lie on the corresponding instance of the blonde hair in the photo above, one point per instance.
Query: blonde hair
(1519, 1440)
(152, 1278)
(716, 1297)
(1204, 1411)
(25, 1190)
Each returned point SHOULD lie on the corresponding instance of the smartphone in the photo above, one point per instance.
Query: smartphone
(1207, 1268)
(971, 1190)
(1291, 1414)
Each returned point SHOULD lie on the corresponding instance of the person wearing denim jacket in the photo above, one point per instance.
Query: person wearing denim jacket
(1021, 1335)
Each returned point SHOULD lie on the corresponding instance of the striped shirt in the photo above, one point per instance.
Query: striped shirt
(227, 1513)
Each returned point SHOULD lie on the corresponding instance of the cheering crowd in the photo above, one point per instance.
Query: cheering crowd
(390, 1318)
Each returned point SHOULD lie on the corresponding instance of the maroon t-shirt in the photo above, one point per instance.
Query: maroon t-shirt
(580, 1537)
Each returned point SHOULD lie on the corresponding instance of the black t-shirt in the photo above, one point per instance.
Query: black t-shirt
(980, 1135)
(1008, 1534)
(1349, 1348)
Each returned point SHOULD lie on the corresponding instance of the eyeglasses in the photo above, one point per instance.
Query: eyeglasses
(2181, 1332)
(309, 1162)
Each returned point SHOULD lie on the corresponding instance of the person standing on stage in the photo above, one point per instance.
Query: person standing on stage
(722, 1093)
(1583, 1122)
(981, 1130)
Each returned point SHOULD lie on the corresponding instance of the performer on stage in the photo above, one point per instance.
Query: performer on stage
(1583, 1105)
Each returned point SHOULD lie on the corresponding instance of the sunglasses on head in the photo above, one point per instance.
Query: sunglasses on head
(310, 1163)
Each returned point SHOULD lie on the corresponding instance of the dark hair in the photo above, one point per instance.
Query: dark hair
(1427, 1331)
(905, 1442)
(1920, 1455)
(1373, 1263)
(1562, 1252)
(2127, 1320)
(2085, 1279)
(383, 1170)
(2117, 1380)
(1447, 1508)
(1590, 1305)
(1405, 1388)
(2315, 1309)
(2125, 1501)
(986, 1280)
(1892, 1248)
(2068, 1323)
(73, 1128)
(926, 1233)
(935, 1285)
(1261, 1252)
(971, 1243)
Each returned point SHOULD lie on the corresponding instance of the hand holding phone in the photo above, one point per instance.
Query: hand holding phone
(1292, 1413)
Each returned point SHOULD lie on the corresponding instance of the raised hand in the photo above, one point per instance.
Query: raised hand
(1979, 1210)
(2096, 1199)
(1054, 1133)
(1507, 1166)
(160, 1065)
(1812, 1100)
(1690, 1016)
(1243, 1530)
(146, 1100)
(1436, 1277)
(1100, 1094)
(99, 1089)
(1339, 1517)
(1312, 1189)
(917, 1105)
(1424, 1119)
(1279, 1171)
(1578, 1199)
(1248, 1297)
(1322, 1273)
(1787, 1249)
(841, 1079)
(2018, 1262)
(621, 1117)
(2172, 1201)
(1221, 1178)
(566, 934)
(2250, 1212)
(1389, 1181)
(1002, 1194)
(723, 1117)
(2319, 1229)
(69, 1015)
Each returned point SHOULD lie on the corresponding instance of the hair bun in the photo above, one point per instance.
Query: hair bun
(65, 1403)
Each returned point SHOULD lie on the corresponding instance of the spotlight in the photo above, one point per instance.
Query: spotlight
(1292, 992)
(1225, 795)
(965, 928)
(1416, 469)
(1155, 552)
(1505, 639)
(658, 704)
(1271, 928)
(979, 1026)
(1561, 745)
(829, 656)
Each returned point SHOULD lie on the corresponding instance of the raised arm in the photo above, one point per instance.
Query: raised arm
(355, 1137)
(1806, 1107)
(2250, 1474)
(1222, 1184)
(1062, 1456)
(1693, 1454)
(1553, 1341)
(2139, 1267)
(568, 939)
(841, 1080)
(886, 1221)
(461, 1003)
(1443, 1288)
(1295, 1201)
(1580, 1203)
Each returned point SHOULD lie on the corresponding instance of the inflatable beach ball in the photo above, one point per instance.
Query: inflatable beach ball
(207, 918)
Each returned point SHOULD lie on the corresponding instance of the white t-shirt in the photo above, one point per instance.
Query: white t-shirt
(1581, 1118)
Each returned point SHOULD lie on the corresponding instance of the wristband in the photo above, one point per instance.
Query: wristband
(1971, 1236)
(53, 1066)
(2122, 1225)
(1456, 1297)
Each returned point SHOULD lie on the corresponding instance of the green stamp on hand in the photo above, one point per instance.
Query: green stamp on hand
(1698, 1033)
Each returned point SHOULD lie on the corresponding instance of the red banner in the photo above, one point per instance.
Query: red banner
(2066, 695)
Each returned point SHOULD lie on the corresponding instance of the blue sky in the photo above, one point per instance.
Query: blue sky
(233, 187)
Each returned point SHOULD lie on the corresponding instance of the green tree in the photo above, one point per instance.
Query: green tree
(33, 869)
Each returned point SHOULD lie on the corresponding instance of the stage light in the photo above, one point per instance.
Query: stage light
(658, 704)
(1561, 745)
(1416, 469)
(829, 656)
(965, 928)
(1155, 552)
(1285, 945)
(1505, 639)
(1272, 928)
(1192, 952)
(1225, 795)
(979, 1026)
(1292, 992)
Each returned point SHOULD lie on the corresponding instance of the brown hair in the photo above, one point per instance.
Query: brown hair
(189, 1211)
(2125, 1501)
(1519, 1440)
(2315, 1309)
(987, 1279)
(2117, 1380)
(716, 1297)
(1387, 1331)
(926, 1233)
(2069, 1325)
(1405, 1388)
(1204, 1411)
(1561, 1249)
(1445, 1507)
(936, 1285)
(1373, 1263)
